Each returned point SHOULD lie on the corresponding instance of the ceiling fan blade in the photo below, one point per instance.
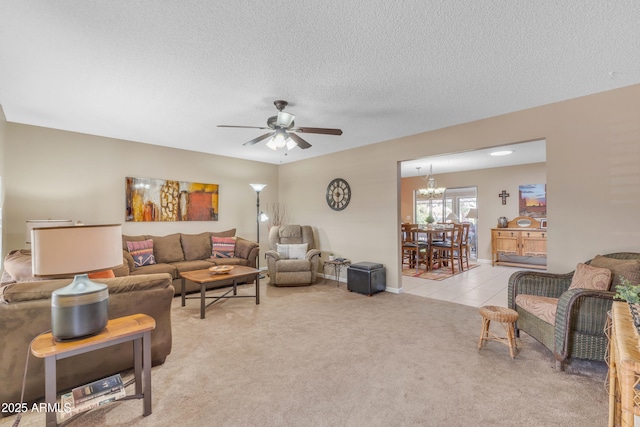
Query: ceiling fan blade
(244, 127)
(325, 131)
(258, 139)
(301, 142)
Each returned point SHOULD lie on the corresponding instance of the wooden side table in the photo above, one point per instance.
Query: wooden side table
(136, 328)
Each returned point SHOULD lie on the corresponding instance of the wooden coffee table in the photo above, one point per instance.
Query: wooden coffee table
(206, 277)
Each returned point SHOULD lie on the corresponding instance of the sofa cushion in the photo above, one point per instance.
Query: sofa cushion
(18, 265)
(167, 248)
(223, 247)
(157, 268)
(627, 268)
(126, 239)
(141, 252)
(293, 265)
(542, 307)
(226, 233)
(590, 277)
(229, 261)
(290, 234)
(196, 246)
(196, 264)
(292, 251)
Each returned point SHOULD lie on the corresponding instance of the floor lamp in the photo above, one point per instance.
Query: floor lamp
(260, 217)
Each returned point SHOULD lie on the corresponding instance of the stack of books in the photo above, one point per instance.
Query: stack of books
(91, 395)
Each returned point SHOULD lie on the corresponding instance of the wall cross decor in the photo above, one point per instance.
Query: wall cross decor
(504, 196)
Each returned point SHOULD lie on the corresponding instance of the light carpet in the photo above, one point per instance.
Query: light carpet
(323, 356)
(436, 274)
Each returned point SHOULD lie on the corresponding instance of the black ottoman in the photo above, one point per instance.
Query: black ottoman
(366, 278)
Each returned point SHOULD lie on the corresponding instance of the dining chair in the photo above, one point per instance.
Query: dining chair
(414, 251)
(449, 250)
(466, 247)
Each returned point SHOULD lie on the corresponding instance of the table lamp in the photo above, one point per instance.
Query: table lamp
(452, 217)
(472, 214)
(38, 223)
(81, 308)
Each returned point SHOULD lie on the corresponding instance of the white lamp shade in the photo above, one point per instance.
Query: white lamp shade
(37, 223)
(76, 249)
(472, 214)
(284, 119)
(258, 187)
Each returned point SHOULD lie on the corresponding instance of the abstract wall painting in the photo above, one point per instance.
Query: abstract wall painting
(149, 199)
(533, 200)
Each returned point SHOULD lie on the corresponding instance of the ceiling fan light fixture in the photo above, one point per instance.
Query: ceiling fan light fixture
(284, 119)
(271, 144)
(291, 144)
(279, 140)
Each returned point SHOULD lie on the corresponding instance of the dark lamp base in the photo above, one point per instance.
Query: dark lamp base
(79, 309)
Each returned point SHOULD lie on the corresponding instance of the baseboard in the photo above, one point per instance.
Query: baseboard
(332, 278)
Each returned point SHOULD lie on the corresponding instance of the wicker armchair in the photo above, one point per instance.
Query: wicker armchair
(581, 314)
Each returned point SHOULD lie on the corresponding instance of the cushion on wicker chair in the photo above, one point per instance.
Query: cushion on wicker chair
(590, 277)
(542, 307)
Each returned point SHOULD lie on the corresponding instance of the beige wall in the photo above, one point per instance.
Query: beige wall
(3, 128)
(593, 173)
(65, 175)
(592, 168)
(490, 183)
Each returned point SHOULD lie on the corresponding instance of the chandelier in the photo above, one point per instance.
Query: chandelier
(432, 190)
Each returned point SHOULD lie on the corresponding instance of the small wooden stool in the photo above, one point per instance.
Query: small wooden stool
(507, 317)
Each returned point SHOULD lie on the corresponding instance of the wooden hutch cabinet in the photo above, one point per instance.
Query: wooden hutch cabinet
(522, 238)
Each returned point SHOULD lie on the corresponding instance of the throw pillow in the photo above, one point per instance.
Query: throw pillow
(292, 251)
(589, 277)
(142, 252)
(627, 268)
(104, 274)
(223, 247)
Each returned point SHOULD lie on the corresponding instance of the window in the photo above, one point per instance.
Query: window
(424, 205)
(460, 201)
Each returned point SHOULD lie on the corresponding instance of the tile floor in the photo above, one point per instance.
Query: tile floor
(483, 285)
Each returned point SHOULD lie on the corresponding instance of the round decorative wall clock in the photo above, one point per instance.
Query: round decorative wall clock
(338, 194)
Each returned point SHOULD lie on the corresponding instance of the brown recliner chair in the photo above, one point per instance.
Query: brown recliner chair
(292, 259)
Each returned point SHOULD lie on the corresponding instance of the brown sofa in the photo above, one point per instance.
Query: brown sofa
(25, 312)
(180, 252)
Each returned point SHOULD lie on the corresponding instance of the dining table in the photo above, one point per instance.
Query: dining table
(431, 233)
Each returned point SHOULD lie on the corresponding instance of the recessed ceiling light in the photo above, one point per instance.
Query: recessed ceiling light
(501, 153)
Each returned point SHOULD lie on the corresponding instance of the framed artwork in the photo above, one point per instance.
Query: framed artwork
(543, 223)
(149, 199)
(533, 200)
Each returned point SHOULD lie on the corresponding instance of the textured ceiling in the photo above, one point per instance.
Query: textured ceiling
(169, 72)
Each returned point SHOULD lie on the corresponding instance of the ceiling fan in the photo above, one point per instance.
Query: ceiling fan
(284, 129)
